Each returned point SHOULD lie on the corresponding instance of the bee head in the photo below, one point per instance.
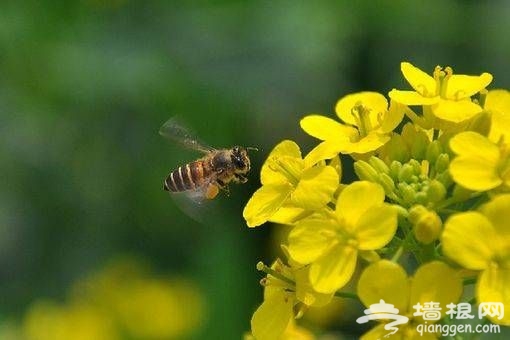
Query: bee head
(240, 159)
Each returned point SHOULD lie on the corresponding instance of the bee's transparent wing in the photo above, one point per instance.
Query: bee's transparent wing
(195, 204)
(174, 130)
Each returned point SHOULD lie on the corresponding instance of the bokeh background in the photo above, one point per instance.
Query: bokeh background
(90, 245)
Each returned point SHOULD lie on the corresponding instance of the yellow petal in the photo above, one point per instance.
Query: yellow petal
(435, 281)
(384, 280)
(272, 317)
(393, 117)
(498, 212)
(375, 102)
(305, 292)
(456, 111)
(420, 81)
(288, 214)
(264, 203)
(325, 128)
(376, 227)
(333, 270)
(494, 286)
(462, 86)
(310, 239)
(468, 239)
(356, 199)
(369, 143)
(316, 187)
(325, 150)
(269, 174)
(498, 103)
(412, 98)
(476, 166)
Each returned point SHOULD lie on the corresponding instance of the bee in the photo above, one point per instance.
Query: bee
(204, 177)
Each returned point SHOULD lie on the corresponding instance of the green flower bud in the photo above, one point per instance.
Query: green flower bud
(395, 168)
(379, 165)
(434, 149)
(416, 166)
(427, 224)
(407, 192)
(442, 162)
(445, 179)
(365, 171)
(405, 173)
(421, 198)
(436, 191)
(387, 183)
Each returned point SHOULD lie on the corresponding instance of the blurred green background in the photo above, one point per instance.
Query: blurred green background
(85, 86)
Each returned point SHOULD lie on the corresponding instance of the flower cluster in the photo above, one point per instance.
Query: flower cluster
(432, 198)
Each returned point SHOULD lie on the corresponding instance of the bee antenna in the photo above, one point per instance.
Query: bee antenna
(252, 148)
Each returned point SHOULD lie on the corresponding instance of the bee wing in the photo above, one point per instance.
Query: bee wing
(174, 130)
(195, 204)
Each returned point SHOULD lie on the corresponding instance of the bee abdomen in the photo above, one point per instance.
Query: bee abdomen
(186, 177)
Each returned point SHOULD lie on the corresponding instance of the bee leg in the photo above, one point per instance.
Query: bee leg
(211, 191)
(241, 178)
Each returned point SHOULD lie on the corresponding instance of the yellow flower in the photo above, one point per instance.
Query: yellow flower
(291, 183)
(386, 280)
(274, 319)
(480, 240)
(367, 124)
(498, 103)
(361, 222)
(448, 95)
(480, 165)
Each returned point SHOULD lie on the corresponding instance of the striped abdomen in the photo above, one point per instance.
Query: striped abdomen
(187, 177)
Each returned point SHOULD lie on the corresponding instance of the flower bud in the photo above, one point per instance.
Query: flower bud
(405, 173)
(434, 149)
(442, 162)
(407, 192)
(387, 183)
(395, 167)
(436, 191)
(379, 165)
(365, 171)
(427, 224)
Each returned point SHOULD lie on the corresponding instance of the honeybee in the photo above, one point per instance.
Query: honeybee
(204, 177)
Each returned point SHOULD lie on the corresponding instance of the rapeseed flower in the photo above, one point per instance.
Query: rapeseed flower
(286, 288)
(388, 281)
(330, 244)
(480, 240)
(367, 124)
(480, 164)
(447, 95)
(292, 183)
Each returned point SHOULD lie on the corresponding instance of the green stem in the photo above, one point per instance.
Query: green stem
(263, 268)
(469, 281)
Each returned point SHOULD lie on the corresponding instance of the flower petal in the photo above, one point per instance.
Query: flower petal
(325, 150)
(384, 280)
(305, 292)
(468, 239)
(264, 203)
(325, 128)
(376, 227)
(272, 317)
(412, 98)
(269, 174)
(476, 166)
(463, 86)
(375, 102)
(420, 81)
(494, 286)
(316, 187)
(426, 287)
(333, 270)
(310, 239)
(498, 212)
(393, 117)
(456, 111)
(356, 199)
(498, 103)
(369, 143)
